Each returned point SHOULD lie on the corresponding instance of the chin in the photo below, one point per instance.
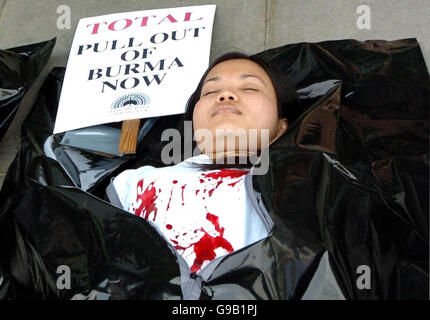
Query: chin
(227, 124)
(228, 128)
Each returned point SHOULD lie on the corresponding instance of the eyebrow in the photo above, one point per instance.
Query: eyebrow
(247, 75)
(243, 76)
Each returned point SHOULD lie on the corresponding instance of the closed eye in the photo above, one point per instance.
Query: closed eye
(250, 89)
(209, 92)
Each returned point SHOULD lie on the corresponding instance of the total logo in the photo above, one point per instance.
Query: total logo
(130, 103)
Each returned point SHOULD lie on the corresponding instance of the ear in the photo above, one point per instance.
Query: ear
(283, 126)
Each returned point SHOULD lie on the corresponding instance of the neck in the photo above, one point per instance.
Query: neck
(221, 156)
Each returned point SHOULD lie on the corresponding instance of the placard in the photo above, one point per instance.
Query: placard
(131, 65)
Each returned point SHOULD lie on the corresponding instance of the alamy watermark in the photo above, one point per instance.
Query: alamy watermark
(63, 21)
(363, 21)
(364, 280)
(227, 143)
(63, 280)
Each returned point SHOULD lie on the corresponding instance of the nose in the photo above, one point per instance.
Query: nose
(226, 95)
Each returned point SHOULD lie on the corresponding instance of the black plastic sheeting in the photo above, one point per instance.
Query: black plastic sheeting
(19, 68)
(349, 178)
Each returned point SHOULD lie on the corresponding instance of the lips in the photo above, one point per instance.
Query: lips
(226, 109)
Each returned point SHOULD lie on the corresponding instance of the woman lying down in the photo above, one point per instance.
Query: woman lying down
(201, 205)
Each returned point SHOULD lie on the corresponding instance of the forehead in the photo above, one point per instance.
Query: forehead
(237, 67)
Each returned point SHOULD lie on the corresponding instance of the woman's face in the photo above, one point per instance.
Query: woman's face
(238, 94)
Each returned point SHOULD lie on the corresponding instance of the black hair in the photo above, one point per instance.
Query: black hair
(286, 94)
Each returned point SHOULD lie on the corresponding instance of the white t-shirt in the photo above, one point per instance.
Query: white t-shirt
(204, 214)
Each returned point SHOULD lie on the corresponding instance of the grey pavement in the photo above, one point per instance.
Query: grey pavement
(250, 26)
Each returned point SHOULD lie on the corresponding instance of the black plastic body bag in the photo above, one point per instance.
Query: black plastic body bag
(19, 68)
(348, 180)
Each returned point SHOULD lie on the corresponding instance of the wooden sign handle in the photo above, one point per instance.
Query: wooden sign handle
(129, 135)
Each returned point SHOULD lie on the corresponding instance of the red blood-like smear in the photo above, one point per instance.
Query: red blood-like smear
(215, 221)
(221, 174)
(178, 247)
(147, 198)
(212, 190)
(233, 183)
(225, 173)
(183, 188)
(205, 247)
(205, 250)
(168, 204)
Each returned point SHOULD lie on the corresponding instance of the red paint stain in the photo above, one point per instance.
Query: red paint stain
(178, 247)
(147, 199)
(183, 188)
(221, 174)
(205, 247)
(212, 190)
(225, 173)
(168, 204)
(233, 183)
(215, 221)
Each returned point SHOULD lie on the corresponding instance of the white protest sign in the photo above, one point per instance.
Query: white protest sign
(133, 65)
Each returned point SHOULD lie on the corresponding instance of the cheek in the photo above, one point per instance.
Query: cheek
(198, 119)
(265, 113)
